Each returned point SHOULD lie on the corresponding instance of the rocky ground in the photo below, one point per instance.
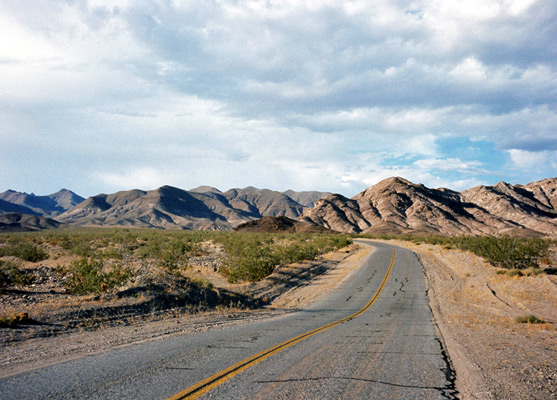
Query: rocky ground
(495, 356)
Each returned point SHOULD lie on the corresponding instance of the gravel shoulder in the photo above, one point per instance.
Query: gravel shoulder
(495, 357)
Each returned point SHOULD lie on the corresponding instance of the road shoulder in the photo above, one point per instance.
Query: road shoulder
(476, 309)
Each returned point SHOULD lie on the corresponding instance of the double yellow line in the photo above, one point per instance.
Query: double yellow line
(206, 385)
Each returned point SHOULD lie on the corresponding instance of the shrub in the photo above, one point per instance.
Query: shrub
(533, 271)
(22, 318)
(202, 282)
(82, 249)
(88, 277)
(11, 275)
(530, 271)
(24, 250)
(254, 256)
(530, 319)
(168, 251)
(252, 261)
(504, 251)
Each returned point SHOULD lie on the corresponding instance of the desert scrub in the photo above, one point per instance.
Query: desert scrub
(11, 275)
(202, 282)
(21, 247)
(254, 256)
(530, 319)
(84, 276)
(506, 251)
(501, 251)
(251, 256)
(530, 271)
(169, 253)
(21, 318)
(251, 261)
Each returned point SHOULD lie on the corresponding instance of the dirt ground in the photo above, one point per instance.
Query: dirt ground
(495, 357)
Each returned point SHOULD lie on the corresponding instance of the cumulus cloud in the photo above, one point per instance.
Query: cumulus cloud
(101, 95)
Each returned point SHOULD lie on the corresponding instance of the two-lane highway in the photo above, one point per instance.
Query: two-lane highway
(371, 337)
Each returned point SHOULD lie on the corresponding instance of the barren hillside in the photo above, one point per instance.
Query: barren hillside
(393, 206)
(396, 206)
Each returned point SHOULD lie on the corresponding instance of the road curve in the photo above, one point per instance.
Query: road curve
(392, 350)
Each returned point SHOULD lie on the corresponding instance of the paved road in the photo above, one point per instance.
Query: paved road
(391, 351)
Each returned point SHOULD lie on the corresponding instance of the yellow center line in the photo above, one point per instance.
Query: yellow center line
(206, 385)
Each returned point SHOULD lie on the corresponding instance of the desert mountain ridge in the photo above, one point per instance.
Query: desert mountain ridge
(46, 206)
(169, 207)
(394, 205)
(19, 222)
(398, 206)
(203, 207)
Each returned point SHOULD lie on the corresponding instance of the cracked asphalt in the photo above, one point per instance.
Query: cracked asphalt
(391, 351)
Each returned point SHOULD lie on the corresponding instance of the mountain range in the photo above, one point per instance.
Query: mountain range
(392, 206)
(46, 206)
(170, 207)
(397, 206)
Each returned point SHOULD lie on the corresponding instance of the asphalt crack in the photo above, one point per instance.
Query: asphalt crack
(449, 391)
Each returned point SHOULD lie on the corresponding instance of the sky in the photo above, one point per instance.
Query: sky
(100, 96)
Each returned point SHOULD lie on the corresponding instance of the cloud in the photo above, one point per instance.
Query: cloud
(301, 94)
(450, 164)
(533, 160)
(137, 178)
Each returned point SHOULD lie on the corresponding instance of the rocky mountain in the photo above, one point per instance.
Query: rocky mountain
(392, 206)
(166, 207)
(519, 204)
(337, 213)
(50, 205)
(7, 207)
(307, 199)
(18, 222)
(396, 205)
(205, 189)
(263, 202)
(169, 207)
(279, 225)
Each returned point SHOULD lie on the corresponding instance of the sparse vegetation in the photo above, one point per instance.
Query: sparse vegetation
(202, 282)
(530, 271)
(253, 256)
(21, 247)
(90, 276)
(107, 253)
(85, 276)
(530, 319)
(511, 253)
(11, 275)
(21, 318)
